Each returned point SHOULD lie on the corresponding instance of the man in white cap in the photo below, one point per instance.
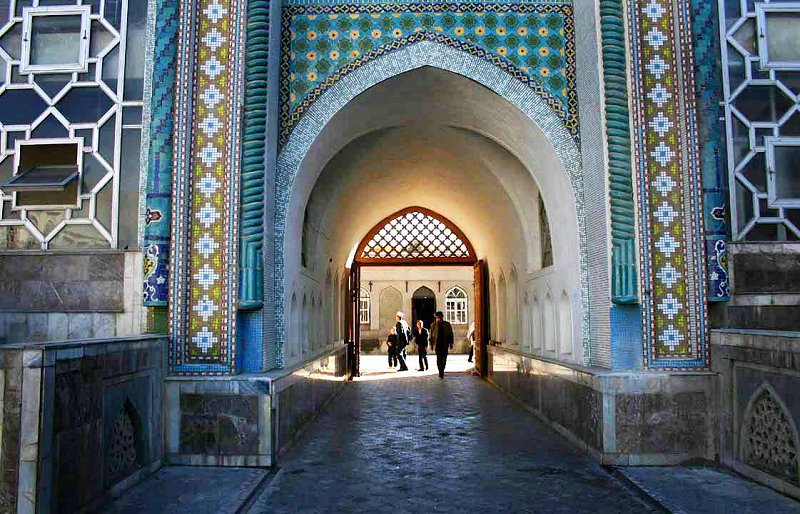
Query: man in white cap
(403, 338)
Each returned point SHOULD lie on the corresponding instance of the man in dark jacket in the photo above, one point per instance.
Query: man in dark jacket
(441, 340)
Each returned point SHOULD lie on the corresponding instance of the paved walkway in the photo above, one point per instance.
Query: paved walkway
(409, 442)
(683, 490)
(422, 444)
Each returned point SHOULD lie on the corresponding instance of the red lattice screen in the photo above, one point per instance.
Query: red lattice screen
(415, 235)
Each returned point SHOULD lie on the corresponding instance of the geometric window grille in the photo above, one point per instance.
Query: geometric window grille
(761, 84)
(415, 235)
(363, 307)
(73, 71)
(455, 305)
(769, 441)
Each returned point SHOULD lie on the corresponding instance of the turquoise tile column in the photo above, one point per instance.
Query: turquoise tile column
(158, 194)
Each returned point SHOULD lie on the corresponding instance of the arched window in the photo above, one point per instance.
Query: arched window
(363, 307)
(455, 302)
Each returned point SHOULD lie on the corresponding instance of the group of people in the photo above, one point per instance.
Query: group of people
(439, 338)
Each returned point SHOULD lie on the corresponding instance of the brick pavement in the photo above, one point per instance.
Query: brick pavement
(421, 444)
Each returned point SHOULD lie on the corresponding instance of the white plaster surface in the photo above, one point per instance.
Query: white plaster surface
(440, 141)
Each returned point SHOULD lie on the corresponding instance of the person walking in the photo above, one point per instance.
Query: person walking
(391, 343)
(441, 341)
(421, 338)
(404, 337)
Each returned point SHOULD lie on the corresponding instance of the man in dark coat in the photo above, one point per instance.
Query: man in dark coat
(441, 340)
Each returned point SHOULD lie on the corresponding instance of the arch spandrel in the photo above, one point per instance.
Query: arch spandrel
(534, 42)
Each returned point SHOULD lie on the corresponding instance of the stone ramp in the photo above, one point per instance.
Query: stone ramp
(190, 490)
(706, 490)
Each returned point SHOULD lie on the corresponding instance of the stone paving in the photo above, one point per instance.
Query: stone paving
(190, 490)
(702, 490)
(423, 444)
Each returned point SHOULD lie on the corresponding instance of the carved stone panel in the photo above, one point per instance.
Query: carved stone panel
(769, 440)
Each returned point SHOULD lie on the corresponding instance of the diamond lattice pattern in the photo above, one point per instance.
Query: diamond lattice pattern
(415, 235)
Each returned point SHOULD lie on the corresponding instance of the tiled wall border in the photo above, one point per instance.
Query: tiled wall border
(668, 177)
(205, 238)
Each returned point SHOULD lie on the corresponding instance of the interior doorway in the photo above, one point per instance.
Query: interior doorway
(423, 306)
(419, 248)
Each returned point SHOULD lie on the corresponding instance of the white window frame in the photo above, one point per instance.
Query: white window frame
(29, 13)
(364, 304)
(762, 34)
(772, 193)
(78, 142)
(455, 305)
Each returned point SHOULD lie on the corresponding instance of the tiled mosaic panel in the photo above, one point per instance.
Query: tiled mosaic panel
(708, 85)
(667, 166)
(205, 289)
(158, 195)
(323, 43)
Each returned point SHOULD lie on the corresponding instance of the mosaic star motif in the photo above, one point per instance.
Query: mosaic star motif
(205, 347)
(672, 335)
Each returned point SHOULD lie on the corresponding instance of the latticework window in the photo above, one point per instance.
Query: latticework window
(363, 307)
(416, 234)
(455, 305)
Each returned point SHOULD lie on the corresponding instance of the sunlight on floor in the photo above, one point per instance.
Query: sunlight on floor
(376, 367)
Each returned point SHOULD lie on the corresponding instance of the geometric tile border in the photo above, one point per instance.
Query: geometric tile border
(158, 193)
(206, 187)
(708, 85)
(668, 176)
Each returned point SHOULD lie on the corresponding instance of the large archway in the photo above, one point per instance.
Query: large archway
(437, 107)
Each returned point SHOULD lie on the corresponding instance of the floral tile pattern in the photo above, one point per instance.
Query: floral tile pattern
(322, 43)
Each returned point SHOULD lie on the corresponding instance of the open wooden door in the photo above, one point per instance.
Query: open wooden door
(481, 318)
(352, 320)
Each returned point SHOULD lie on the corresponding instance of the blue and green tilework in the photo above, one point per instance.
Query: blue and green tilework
(322, 43)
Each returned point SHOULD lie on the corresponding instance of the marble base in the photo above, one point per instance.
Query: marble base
(621, 418)
(247, 420)
(750, 362)
(63, 404)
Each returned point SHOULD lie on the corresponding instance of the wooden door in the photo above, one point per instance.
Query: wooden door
(481, 318)
(352, 320)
